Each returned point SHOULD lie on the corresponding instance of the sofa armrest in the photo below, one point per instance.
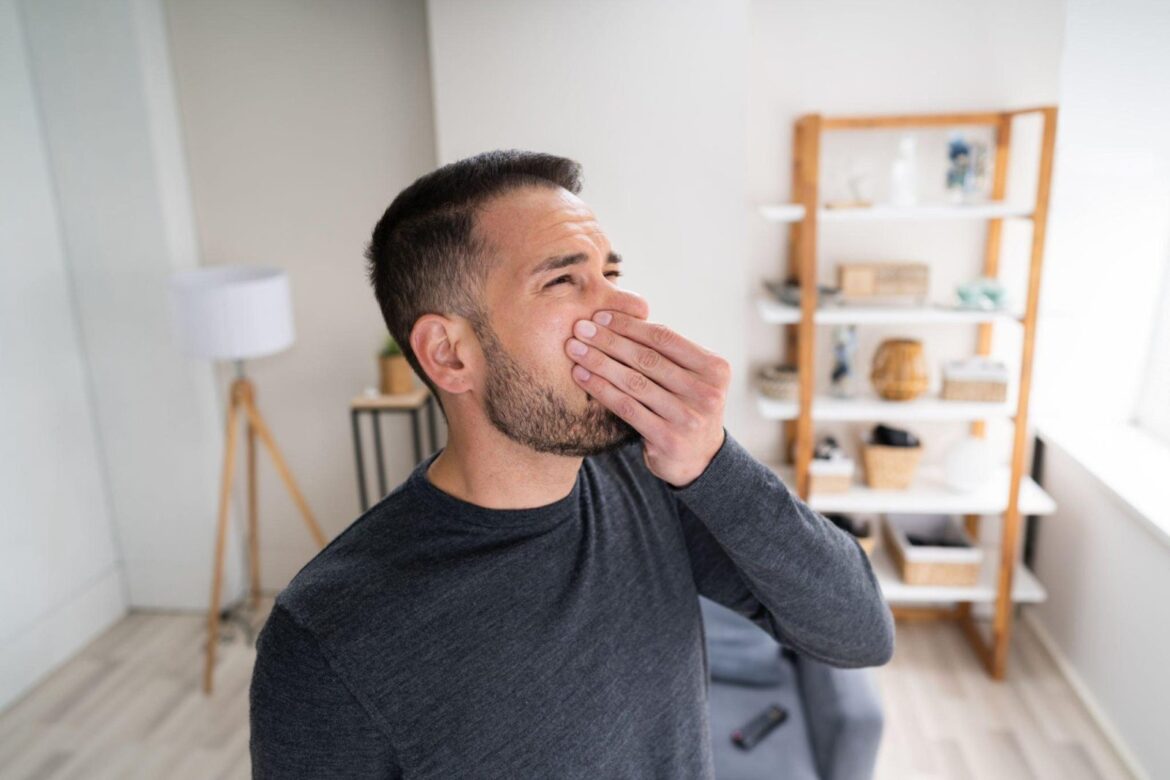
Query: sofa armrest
(844, 713)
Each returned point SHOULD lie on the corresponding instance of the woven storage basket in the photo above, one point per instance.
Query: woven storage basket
(977, 378)
(779, 382)
(967, 390)
(890, 467)
(931, 565)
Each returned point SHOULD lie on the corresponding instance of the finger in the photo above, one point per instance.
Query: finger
(657, 336)
(640, 357)
(661, 402)
(650, 425)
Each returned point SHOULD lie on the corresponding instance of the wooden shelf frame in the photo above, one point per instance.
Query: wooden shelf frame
(804, 216)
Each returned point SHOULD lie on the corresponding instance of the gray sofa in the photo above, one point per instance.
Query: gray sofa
(834, 723)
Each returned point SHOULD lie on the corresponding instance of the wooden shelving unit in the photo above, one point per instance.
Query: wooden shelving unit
(1012, 492)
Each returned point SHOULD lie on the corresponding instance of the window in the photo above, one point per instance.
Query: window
(1152, 413)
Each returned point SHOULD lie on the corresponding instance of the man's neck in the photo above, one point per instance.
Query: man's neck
(495, 472)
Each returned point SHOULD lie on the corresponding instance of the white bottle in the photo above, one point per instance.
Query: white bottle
(904, 174)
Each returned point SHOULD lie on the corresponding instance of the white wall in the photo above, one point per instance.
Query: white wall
(650, 98)
(302, 121)
(102, 82)
(681, 114)
(1107, 568)
(60, 580)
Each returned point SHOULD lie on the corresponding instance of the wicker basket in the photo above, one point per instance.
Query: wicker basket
(890, 467)
(977, 378)
(779, 382)
(968, 390)
(954, 566)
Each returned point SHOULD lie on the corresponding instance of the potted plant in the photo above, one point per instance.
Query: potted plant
(397, 376)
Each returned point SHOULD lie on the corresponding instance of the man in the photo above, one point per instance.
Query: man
(525, 603)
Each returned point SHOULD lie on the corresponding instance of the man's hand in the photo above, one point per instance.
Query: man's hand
(669, 389)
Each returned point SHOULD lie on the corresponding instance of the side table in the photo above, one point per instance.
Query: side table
(411, 403)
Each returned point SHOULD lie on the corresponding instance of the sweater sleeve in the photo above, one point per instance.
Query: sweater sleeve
(757, 548)
(305, 721)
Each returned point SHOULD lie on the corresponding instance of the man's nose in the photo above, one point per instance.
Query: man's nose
(626, 301)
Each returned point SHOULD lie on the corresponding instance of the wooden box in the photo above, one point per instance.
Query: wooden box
(830, 475)
(868, 281)
(932, 565)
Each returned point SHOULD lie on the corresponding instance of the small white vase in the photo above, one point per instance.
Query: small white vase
(968, 464)
(904, 174)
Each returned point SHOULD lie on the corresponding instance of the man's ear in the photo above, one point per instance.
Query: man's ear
(445, 350)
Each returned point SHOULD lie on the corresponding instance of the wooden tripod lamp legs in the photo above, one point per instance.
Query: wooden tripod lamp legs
(243, 397)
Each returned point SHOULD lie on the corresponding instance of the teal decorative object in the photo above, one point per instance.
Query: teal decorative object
(984, 293)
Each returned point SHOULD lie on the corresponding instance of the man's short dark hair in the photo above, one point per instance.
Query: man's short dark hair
(426, 255)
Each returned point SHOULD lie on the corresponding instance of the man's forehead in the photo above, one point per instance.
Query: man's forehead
(535, 219)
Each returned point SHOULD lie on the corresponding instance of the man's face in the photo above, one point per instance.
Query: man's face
(529, 392)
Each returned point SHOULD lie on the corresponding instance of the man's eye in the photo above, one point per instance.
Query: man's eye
(566, 277)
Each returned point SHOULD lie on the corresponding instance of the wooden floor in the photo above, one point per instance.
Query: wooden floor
(130, 706)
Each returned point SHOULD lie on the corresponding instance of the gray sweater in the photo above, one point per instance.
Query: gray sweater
(435, 638)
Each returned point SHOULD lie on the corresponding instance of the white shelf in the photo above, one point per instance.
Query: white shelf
(929, 493)
(794, 212)
(776, 312)
(1026, 589)
(869, 407)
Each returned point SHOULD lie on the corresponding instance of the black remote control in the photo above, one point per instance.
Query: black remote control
(758, 727)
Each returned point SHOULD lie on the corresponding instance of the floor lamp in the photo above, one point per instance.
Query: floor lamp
(236, 313)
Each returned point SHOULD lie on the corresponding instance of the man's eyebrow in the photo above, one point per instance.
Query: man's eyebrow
(563, 261)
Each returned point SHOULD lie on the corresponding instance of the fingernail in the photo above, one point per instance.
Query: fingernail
(576, 347)
(580, 372)
(586, 329)
(603, 317)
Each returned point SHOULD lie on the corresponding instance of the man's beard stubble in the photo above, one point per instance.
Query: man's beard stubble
(526, 411)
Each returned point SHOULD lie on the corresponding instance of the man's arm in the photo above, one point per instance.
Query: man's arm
(305, 721)
(758, 549)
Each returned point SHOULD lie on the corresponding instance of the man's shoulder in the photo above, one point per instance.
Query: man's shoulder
(358, 567)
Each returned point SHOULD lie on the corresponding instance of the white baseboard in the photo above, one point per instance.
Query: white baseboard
(1112, 735)
(36, 652)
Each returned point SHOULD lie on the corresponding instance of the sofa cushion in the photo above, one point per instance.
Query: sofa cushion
(784, 754)
(739, 651)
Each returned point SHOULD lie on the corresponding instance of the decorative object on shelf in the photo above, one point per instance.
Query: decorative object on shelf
(830, 470)
(968, 464)
(891, 457)
(930, 549)
(899, 369)
(984, 293)
(861, 530)
(843, 378)
(788, 291)
(884, 282)
(859, 182)
(967, 172)
(396, 374)
(977, 378)
(904, 173)
(780, 381)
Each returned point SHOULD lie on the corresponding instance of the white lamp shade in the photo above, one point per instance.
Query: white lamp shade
(232, 312)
